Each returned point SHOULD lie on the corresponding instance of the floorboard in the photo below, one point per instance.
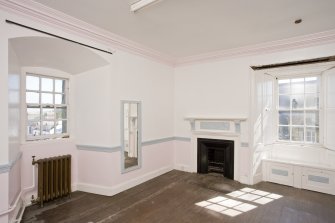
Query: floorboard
(172, 198)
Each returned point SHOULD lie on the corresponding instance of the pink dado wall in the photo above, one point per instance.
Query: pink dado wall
(183, 149)
(14, 185)
(100, 172)
(14, 182)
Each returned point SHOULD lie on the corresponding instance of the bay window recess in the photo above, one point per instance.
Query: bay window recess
(46, 107)
(299, 109)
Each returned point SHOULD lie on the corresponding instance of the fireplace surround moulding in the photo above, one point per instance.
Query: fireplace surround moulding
(218, 129)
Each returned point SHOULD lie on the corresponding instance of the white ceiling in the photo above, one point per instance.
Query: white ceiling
(55, 53)
(181, 28)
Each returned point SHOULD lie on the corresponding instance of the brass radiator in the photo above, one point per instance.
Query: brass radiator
(54, 178)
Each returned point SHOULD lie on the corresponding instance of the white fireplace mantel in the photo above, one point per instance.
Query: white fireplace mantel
(225, 128)
(216, 124)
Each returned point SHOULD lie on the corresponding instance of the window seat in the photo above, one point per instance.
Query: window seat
(318, 177)
(301, 163)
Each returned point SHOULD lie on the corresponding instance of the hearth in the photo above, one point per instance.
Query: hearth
(216, 155)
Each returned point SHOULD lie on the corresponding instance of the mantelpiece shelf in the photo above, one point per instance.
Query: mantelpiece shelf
(204, 118)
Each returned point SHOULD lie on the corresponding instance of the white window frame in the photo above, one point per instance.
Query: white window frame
(51, 74)
(276, 101)
(295, 71)
(302, 73)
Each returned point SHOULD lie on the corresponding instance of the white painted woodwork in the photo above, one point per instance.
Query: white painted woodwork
(297, 180)
(300, 175)
(318, 180)
(280, 173)
(329, 113)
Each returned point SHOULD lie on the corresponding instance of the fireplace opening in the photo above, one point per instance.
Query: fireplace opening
(216, 156)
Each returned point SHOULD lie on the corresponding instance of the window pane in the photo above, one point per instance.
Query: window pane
(33, 128)
(47, 84)
(284, 86)
(284, 133)
(33, 83)
(284, 102)
(297, 86)
(48, 127)
(297, 101)
(32, 98)
(312, 118)
(48, 113)
(298, 134)
(298, 109)
(312, 135)
(47, 98)
(312, 101)
(60, 99)
(284, 118)
(311, 85)
(61, 113)
(60, 86)
(61, 127)
(33, 114)
(297, 118)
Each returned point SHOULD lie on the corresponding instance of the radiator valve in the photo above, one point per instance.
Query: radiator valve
(33, 199)
(33, 162)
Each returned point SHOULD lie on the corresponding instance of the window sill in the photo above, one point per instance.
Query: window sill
(47, 141)
(316, 145)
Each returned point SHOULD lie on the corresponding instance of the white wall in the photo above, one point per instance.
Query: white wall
(152, 84)
(211, 89)
(222, 88)
(14, 126)
(93, 107)
(14, 103)
(4, 151)
(98, 94)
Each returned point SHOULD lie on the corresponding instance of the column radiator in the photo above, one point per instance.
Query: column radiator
(54, 178)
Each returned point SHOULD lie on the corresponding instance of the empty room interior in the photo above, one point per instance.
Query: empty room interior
(167, 111)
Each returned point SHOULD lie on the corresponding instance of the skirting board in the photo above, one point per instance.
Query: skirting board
(258, 178)
(18, 212)
(245, 180)
(110, 191)
(183, 167)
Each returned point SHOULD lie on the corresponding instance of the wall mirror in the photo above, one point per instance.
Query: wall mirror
(130, 135)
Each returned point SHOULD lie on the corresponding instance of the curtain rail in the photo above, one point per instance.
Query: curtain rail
(54, 35)
(295, 63)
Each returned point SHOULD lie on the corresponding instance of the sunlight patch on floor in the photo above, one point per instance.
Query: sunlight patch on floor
(232, 207)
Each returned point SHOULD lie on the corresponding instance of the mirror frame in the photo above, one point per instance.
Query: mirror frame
(139, 141)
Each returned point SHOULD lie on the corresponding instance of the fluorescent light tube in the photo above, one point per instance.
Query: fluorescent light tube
(140, 4)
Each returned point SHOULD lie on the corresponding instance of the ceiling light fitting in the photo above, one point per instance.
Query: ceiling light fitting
(298, 21)
(141, 4)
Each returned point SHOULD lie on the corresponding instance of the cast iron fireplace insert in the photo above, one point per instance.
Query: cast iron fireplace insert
(216, 155)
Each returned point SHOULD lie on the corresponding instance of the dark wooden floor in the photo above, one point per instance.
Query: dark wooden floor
(172, 197)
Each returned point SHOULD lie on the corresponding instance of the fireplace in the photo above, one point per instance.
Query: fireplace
(216, 155)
